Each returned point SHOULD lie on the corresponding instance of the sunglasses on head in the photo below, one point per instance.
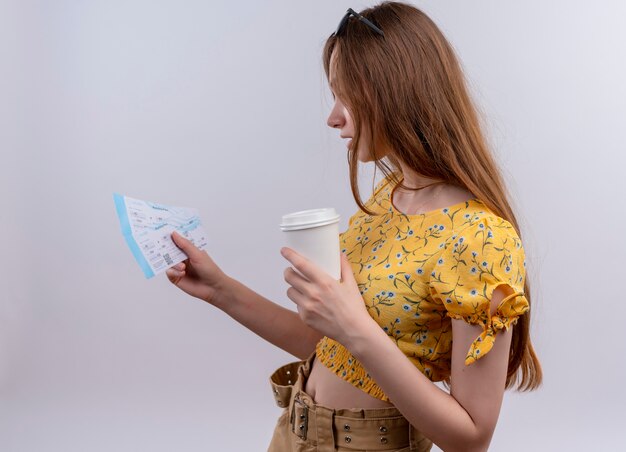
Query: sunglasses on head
(344, 21)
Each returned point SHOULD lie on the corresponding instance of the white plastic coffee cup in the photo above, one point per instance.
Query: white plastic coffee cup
(314, 234)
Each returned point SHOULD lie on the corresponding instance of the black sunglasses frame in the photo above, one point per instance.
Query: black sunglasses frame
(352, 12)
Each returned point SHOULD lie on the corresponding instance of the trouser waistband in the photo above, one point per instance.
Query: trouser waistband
(350, 428)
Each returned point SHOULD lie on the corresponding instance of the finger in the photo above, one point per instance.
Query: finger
(293, 278)
(296, 297)
(347, 274)
(180, 266)
(308, 269)
(174, 275)
(184, 244)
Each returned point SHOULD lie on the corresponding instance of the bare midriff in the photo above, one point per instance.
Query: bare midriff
(331, 391)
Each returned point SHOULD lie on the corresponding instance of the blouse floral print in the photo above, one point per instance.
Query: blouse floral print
(417, 272)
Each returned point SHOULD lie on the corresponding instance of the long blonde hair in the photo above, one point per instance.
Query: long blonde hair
(407, 91)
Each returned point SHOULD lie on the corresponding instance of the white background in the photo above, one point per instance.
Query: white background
(222, 106)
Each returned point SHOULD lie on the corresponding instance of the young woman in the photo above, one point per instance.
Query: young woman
(435, 254)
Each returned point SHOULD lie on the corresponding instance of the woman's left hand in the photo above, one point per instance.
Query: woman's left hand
(335, 309)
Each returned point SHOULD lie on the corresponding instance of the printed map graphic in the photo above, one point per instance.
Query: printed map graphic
(147, 227)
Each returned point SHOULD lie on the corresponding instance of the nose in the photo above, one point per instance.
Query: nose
(336, 118)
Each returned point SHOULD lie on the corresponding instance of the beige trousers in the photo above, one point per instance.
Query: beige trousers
(304, 426)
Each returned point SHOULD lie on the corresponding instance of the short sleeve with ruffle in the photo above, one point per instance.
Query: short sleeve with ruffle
(482, 256)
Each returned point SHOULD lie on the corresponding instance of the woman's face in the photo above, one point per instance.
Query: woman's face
(341, 119)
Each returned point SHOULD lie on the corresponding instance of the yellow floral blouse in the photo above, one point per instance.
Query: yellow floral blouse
(416, 272)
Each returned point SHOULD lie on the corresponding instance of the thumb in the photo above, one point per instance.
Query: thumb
(188, 248)
(346, 269)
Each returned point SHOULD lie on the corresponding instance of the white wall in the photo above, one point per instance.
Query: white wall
(222, 105)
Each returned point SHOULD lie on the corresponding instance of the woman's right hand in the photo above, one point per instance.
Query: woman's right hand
(197, 275)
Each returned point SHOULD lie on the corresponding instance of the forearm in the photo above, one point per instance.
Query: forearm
(431, 410)
(274, 323)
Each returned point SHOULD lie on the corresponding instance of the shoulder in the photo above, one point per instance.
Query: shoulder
(487, 247)
(476, 218)
(498, 229)
(487, 231)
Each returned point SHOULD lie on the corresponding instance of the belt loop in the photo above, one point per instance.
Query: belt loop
(326, 436)
(299, 418)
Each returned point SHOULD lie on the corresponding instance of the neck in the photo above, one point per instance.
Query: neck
(414, 180)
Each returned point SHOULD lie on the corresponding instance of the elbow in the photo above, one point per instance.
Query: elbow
(478, 443)
(481, 447)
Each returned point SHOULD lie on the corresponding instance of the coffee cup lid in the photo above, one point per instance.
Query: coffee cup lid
(312, 218)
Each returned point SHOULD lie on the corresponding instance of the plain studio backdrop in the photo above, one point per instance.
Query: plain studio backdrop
(222, 106)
